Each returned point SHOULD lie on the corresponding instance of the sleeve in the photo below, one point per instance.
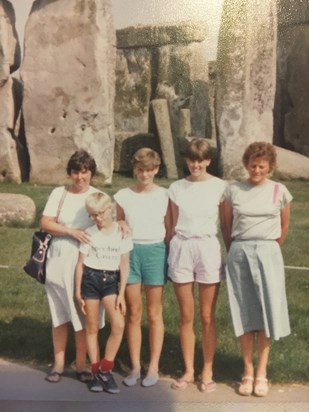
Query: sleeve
(126, 245)
(227, 194)
(119, 197)
(51, 207)
(224, 188)
(172, 192)
(286, 196)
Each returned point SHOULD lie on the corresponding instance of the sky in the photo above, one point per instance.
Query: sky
(149, 12)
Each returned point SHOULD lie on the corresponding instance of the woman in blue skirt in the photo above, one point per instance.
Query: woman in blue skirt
(255, 218)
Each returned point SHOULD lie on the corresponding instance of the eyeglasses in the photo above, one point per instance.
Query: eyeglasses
(101, 214)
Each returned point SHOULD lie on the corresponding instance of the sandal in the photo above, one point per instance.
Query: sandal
(84, 376)
(208, 386)
(180, 384)
(53, 377)
(261, 387)
(246, 386)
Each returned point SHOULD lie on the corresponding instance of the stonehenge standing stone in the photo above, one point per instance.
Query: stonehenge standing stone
(246, 79)
(162, 119)
(292, 96)
(69, 80)
(9, 61)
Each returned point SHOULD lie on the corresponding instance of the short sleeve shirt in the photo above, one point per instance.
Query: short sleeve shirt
(105, 250)
(257, 209)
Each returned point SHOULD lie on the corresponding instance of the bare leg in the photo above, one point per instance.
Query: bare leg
(117, 327)
(60, 338)
(185, 297)
(263, 344)
(154, 295)
(247, 348)
(92, 328)
(208, 294)
(134, 333)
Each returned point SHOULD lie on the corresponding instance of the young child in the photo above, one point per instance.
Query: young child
(145, 208)
(99, 267)
(195, 256)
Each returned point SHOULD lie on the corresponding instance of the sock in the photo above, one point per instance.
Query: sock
(95, 367)
(106, 365)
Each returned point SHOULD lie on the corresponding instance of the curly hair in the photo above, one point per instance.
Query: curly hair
(261, 149)
(81, 160)
(198, 149)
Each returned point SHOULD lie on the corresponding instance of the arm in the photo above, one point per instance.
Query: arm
(50, 225)
(121, 220)
(78, 281)
(174, 217)
(226, 222)
(168, 223)
(124, 273)
(285, 221)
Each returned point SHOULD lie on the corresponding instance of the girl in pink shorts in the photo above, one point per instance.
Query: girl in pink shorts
(195, 257)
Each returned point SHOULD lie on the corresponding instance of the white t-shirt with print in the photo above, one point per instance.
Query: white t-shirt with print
(105, 250)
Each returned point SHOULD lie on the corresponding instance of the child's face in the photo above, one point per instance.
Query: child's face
(197, 168)
(102, 217)
(258, 169)
(145, 176)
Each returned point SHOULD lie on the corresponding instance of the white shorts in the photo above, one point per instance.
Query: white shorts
(195, 259)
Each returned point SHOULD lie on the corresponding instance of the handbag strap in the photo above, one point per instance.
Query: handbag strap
(65, 191)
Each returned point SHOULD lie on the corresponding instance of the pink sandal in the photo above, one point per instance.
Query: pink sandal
(208, 387)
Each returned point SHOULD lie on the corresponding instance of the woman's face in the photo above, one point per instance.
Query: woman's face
(258, 169)
(80, 180)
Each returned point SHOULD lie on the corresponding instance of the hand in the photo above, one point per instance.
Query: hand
(121, 304)
(124, 228)
(81, 303)
(80, 235)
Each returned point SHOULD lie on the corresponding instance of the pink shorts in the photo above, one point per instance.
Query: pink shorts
(195, 259)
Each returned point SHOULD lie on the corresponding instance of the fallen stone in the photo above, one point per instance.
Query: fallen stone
(16, 208)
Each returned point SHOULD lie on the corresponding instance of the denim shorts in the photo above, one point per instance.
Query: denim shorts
(96, 284)
(148, 264)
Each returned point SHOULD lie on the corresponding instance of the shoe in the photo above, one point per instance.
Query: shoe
(95, 385)
(108, 382)
(150, 380)
(53, 377)
(84, 376)
(261, 387)
(208, 387)
(132, 379)
(180, 384)
(246, 386)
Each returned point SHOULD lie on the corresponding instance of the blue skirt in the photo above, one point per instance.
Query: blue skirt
(256, 288)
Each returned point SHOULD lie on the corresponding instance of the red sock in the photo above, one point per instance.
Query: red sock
(106, 365)
(95, 367)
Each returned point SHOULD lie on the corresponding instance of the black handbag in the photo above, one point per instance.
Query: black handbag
(36, 265)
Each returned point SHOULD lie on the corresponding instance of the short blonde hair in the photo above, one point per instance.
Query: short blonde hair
(97, 201)
(146, 158)
(198, 149)
(261, 149)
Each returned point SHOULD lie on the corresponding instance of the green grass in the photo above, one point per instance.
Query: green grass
(25, 327)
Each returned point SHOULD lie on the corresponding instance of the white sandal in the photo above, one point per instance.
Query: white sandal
(246, 386)
(261, 387)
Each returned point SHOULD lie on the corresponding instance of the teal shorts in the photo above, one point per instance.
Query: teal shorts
(148, 264)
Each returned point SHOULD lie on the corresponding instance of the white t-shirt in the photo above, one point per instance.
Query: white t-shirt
(256, 209)
(105, 250)
(198, 206)
(144, 213)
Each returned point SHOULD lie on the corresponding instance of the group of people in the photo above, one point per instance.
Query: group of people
(96, 264)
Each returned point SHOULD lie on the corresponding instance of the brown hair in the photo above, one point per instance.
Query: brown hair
(198, 149)
(146, 158)
(81, 160)
(261, 149)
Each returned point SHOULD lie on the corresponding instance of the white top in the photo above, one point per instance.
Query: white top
(73, 212)
(144, 213)
(256, 209)
(198, 206)
(105, 249)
